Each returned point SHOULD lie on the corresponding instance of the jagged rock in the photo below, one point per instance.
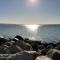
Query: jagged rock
(2, 41)
(23, 45)
(54, 54)
(19, 37)
(25, 55)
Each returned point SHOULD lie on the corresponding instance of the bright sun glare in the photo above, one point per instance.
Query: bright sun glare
(32, 2)
(32, 27)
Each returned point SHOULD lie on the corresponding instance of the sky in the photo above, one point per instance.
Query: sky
(25, 12)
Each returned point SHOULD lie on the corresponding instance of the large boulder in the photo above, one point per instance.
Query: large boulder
(2, 41)
(23, 45)
(19, 37)
(54, 54)
(43, 58)
(25, 55)
(20, 42)
(44, 51)
(10, 48)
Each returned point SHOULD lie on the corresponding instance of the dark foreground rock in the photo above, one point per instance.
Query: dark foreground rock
(26, 55)
(54, 54)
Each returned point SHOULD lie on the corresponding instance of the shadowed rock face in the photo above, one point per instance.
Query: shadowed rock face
(19, 37)
(9, 48)
(54, 54)
(22, 50)
(20, 42)
(25, 55)
(13, 46)
(2, 40)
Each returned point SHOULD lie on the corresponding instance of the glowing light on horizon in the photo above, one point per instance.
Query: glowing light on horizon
(32, 27)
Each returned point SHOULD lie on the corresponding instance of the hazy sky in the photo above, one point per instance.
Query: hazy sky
(25, 12)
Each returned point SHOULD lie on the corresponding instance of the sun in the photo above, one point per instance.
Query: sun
(32, 1)
(32, 27)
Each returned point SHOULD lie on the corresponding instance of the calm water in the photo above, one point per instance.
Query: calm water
(46, 33)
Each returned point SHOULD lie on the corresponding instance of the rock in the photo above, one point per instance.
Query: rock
(54, 54)
(43, 58)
